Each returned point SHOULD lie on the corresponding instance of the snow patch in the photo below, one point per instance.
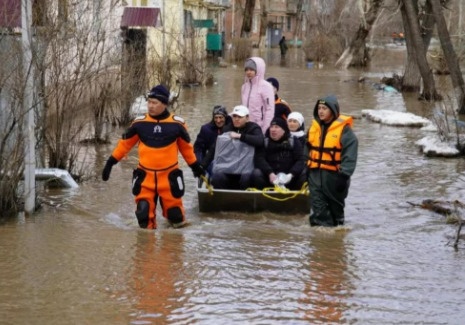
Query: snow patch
(434, 147)
(394, 118)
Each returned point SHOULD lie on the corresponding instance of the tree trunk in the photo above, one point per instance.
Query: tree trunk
(411, 80)
(298, 21)
(449, 54)
(429, 88)
(247, 18)
(356, 55)
(263, 23)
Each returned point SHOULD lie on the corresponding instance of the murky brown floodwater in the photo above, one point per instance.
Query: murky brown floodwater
(83, 259)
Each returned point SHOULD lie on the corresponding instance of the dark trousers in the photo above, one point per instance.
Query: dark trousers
(230, 181)
(327, 202)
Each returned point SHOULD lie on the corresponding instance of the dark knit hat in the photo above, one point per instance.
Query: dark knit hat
(274, 82)
(281, 123)
(219, 110)
(161, 93)
(250, 64)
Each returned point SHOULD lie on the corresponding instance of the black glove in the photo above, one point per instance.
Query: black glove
(107, 169)
(197, 169)
(342, 182)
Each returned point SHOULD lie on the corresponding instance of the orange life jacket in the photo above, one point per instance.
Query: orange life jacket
(327, 155)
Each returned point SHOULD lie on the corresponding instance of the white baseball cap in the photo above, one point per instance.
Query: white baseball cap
(240, 110)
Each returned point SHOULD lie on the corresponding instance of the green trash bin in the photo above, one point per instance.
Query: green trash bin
(214, 42)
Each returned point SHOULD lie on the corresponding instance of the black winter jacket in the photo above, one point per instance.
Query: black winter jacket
(284, 156)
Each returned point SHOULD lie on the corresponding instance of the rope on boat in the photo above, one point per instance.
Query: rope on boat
(207, 184)
(281, 190)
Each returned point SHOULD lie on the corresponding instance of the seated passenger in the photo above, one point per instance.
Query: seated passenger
(209, 131)
(282, 153)
(295, 122)
(233, 152)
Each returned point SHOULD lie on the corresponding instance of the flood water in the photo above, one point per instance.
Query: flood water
(83, 260)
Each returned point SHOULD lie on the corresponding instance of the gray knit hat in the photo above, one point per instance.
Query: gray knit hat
(219, 110)
(250, 64)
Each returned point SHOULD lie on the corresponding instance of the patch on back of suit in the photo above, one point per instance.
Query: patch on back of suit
(178, 118)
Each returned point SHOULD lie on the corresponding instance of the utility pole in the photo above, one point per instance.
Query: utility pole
(29, 148)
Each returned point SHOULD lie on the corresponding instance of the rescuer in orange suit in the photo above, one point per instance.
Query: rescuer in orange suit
(160, 135)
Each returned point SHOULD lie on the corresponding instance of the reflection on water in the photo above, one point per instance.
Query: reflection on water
(158, 277)
(83, 259)
(328, 287)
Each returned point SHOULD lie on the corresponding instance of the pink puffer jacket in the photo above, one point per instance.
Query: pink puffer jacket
(258, 95)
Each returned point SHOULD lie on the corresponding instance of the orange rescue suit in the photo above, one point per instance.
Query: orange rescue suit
(157, 176)
(326, 153)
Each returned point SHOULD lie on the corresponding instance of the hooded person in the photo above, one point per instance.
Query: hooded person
(281, 160)
(209, 131)
(332, 158)
(257, 94)
(159, 136)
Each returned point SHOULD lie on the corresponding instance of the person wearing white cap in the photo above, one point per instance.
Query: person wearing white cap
(295, 122)
(246, 132)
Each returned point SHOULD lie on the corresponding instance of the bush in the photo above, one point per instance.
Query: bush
(322, 48)
(242, 49)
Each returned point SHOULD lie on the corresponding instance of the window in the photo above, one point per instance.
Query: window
(289, 23)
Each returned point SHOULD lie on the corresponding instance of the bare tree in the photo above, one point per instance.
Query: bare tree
(12, 121)
(78, 61)
(247, 18)
(411, 80)
(181, 63)
(449, 53)
(298, 20)
(419, 51)
(357, 54)
(326, 30)
(263, 22)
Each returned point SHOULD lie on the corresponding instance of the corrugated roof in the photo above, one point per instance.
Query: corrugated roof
(140, 17)
(10, 13)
